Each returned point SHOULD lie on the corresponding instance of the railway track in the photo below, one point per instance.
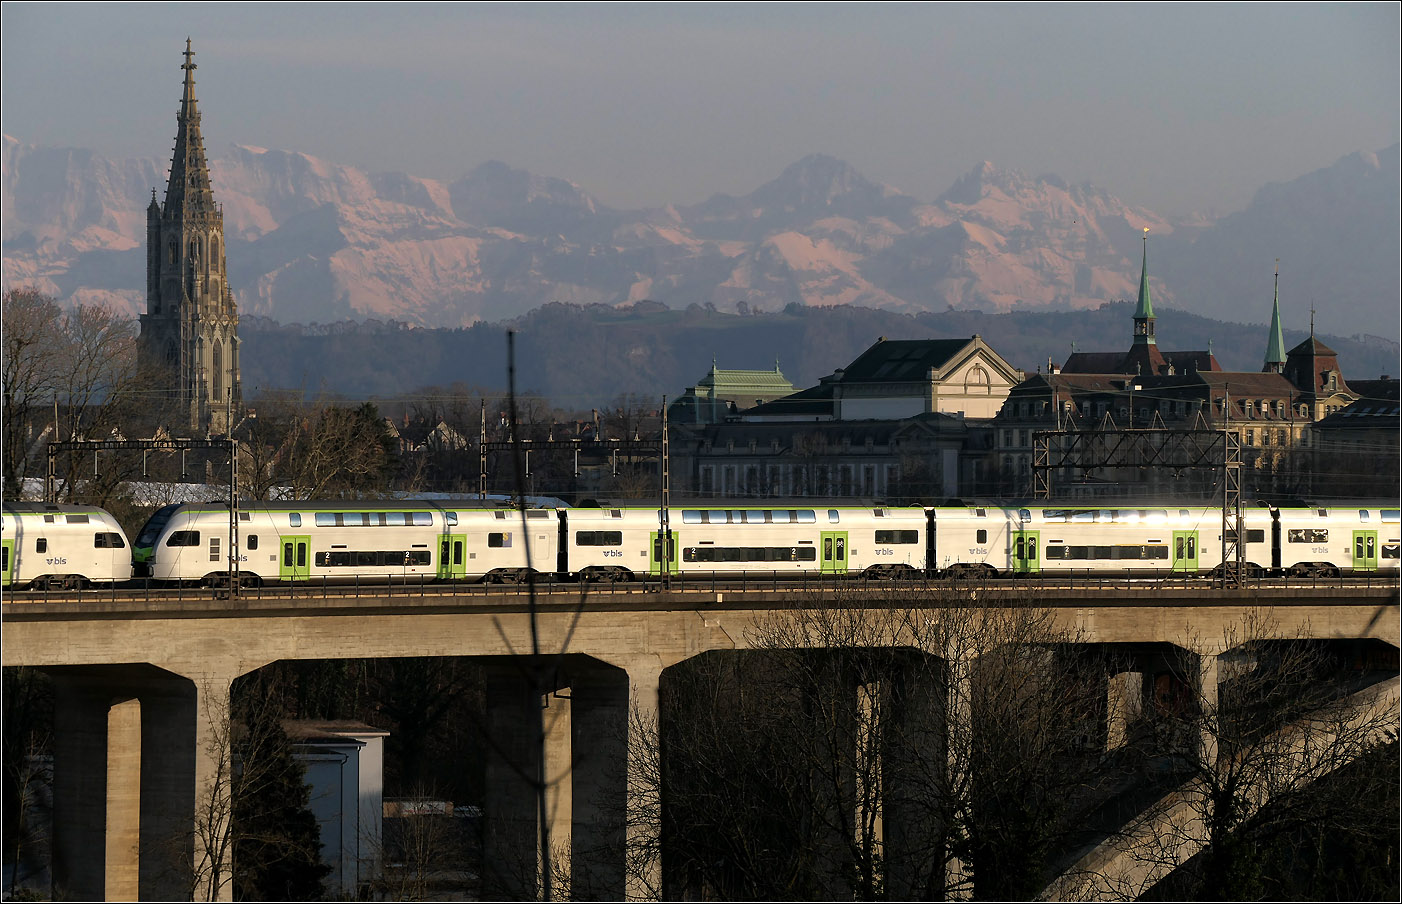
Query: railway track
(555, 593)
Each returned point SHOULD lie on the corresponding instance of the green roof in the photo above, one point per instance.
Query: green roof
(1275, 345)
(1145, 309)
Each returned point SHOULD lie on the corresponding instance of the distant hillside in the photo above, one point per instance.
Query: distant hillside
(585, 356)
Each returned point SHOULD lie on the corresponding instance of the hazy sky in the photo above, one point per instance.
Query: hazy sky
(1176, 107)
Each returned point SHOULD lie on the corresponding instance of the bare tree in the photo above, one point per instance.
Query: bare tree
(1254, 752)
(902, 743)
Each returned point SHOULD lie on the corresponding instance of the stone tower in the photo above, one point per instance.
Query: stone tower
(189, 332)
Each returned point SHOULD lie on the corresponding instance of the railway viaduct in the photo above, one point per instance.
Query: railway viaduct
(142, 684)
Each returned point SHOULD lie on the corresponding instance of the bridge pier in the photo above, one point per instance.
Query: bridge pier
(567, 737)
(124, 777)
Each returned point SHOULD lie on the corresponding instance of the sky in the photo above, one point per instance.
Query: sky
(1182, 108)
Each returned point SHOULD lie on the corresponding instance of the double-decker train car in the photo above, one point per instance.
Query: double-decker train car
(1333, 540)
(361, 541)
(62, 547)
(618, 544)
(345, 541)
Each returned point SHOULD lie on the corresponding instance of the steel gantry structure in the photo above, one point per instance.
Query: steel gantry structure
(1197, 449)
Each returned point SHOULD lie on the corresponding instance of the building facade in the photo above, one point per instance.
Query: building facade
(902, 422)
(189, 332)
(1108, 396)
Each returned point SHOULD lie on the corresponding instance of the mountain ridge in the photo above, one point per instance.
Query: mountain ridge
(310, 239)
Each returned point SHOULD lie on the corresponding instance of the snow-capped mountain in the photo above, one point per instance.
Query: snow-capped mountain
(311, 240)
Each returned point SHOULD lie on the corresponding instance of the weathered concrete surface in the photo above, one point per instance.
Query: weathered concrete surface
(209, 638)
(1169, 833)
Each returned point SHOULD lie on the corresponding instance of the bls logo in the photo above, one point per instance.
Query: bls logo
(57, 560)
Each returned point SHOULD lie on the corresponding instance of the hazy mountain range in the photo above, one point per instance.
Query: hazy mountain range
(314, 241)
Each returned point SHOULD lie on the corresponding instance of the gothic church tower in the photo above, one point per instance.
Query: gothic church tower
(190, 328)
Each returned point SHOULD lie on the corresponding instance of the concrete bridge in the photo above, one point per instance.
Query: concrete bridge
(142, 686)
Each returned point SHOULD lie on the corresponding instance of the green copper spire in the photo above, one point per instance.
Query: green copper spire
(1144, 314)
(1275, 344)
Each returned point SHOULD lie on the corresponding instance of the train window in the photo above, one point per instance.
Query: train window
(598, 538)
(41, 544)
(537, 514)
(754, 517)
(252, 542)
(780, 517)
(1308, 535)
(287, 555)
(1390, 515)
(1252, 536)
(184, 538)
(1391, 549)
(366, 559)
(328, 519)
(423, 519)
(77, 519)
(897, 536)
(980, 513)
(691, 516)
(1053, 514)
(1362, 514)
(301, 555)
(457, 552)
(1024, 514)
(107, 540)
(294, 519)
(832, 516)
(245, 516)
(1083, 516)
(499, 541)
(48, 519)
(806, 516)
(6, 563)
(1323, 513)
(450, 517)
(981, 536)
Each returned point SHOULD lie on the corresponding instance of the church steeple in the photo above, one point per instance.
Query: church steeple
(1275, 343)
(1144, 313)
(190, 328)
(189, 190)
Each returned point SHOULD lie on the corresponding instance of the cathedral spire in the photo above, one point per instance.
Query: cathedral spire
(189, 189)
(1275, 344)
(1144, 313)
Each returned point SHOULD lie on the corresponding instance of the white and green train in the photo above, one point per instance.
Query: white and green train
(62, 547)
(364, 542)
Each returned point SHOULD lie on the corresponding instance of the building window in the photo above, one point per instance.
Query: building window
(1251, 437)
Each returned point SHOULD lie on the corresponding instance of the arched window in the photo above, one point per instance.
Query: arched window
(217, 358)
(978, 381)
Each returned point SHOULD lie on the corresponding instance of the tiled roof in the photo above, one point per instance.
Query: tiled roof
(902, 360)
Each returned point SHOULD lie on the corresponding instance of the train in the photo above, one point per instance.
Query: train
(419, 541)
(62, 547)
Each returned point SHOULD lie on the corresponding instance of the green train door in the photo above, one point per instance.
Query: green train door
(1026, 557)
(1185, 550)
(654, 554)
(834, 552)
(9, 554)
(1365, 550)
(293, 562)
(452, 556)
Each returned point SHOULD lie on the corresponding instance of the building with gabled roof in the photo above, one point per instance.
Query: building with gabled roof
(892, 424)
